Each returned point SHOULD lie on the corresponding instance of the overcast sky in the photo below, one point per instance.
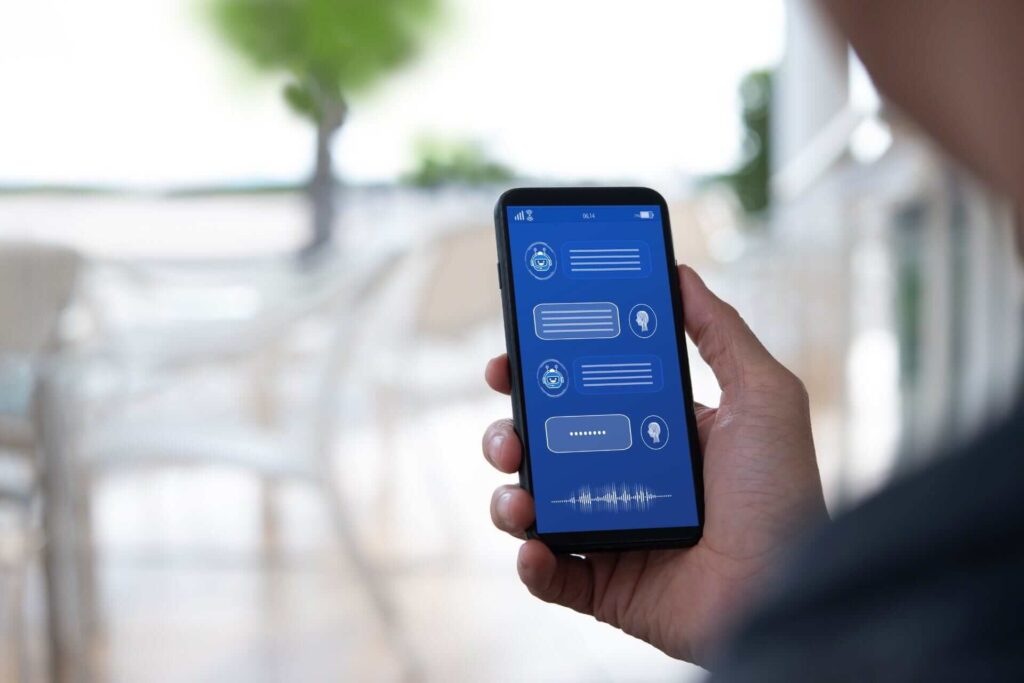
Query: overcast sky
(142, 93)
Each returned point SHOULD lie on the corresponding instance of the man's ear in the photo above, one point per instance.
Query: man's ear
(955, 68)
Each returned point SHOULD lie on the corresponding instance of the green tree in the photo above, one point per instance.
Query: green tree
(329, 49)
(751, 179)
(440, 161)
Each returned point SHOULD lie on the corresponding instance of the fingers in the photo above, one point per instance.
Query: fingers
(721, 336)
(511, 507)
(512, 510)
(564, 579)
(502, 447)
(497, 374)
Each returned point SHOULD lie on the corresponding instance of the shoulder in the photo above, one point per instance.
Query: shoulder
(920, 579)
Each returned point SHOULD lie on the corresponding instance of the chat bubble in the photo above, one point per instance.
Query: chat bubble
(607, 259)
(588, 433)
(583, 320)
(618, 374)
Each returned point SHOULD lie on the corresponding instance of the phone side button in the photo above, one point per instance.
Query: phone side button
(498, 265)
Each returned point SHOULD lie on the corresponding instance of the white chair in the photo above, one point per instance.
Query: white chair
(154, 359)
(439, 307)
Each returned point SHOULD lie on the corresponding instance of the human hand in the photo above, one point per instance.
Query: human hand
(761, 487)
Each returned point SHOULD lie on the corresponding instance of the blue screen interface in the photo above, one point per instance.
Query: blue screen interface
(601, 378)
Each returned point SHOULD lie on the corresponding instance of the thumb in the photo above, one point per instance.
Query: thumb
(723, 339)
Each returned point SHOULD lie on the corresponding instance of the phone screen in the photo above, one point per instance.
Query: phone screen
(601, 376)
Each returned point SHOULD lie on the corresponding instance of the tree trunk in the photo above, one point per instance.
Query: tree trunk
(321, 192)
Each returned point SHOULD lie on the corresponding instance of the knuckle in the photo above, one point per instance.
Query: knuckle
(781, 381)
(794, 385)
(727, 311)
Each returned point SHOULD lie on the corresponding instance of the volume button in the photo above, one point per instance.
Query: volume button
(498, 265)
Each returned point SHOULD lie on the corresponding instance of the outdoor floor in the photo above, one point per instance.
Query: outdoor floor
(188, 593)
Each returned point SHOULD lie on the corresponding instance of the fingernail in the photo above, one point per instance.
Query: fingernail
(504, 505)
(495, 447)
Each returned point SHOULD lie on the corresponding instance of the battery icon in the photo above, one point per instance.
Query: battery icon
(645, 214)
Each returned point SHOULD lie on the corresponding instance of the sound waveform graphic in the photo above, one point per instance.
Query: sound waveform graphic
(612, 498)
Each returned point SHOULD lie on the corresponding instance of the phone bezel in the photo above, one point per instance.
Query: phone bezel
(591, 541)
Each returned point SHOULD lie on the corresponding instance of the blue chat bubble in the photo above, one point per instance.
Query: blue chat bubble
(624, 374)
(607, 259)
(588, 433)
(584, 320)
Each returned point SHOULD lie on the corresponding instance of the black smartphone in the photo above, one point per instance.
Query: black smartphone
(601, 392)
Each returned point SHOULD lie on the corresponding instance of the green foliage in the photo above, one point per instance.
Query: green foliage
(331, 48)
(751, 180)
(440, 162)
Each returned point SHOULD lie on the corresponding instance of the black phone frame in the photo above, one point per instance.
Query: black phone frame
(619, 539)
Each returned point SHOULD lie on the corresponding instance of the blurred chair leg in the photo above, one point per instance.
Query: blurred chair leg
(270, 521)
(69, 656)
(389, 426)
(373, 582)
(9, 646)
(390, 409)
(264, 406)
(28, 549)
(368, 575)
(19, 625)
(68, 652)
(8, 643)
(85, 564)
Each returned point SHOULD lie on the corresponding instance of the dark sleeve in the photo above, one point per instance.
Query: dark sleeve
(924, 582)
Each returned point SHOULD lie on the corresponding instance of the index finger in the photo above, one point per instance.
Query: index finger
(497, 374)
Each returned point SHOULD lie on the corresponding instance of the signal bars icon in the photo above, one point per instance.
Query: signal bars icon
(525, 215)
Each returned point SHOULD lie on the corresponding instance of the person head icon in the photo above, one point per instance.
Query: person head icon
(643, 320)
(654, 431)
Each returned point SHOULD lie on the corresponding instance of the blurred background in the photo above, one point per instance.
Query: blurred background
(247, 292)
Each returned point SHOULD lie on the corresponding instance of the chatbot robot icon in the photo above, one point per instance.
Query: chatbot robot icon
(552, 377)
(540, 260)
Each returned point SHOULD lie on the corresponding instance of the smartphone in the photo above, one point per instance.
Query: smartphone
(601, 393)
